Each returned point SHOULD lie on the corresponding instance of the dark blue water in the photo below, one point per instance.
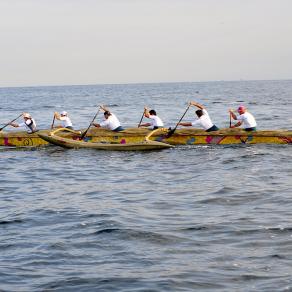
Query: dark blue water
(184, 219)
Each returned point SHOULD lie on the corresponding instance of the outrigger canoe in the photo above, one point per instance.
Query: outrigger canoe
(187, 136)
(147, 144)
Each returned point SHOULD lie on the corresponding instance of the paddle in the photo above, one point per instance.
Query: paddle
(10, 122)
(230, 120)
(171, 132)
(141, 118)
(83, 135)
(52, 126)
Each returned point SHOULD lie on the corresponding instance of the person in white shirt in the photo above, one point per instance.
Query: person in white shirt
(65, 120)
(203, 120)
(245, 118)
(155, 123)
(29, 123)
(110, 121)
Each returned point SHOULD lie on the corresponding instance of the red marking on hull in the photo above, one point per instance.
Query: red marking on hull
(287, 140)
(6, 142)
(214, 139)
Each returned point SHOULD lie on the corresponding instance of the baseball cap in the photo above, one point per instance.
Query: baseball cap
(241, 108)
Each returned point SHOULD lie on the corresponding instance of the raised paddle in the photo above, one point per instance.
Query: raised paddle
(53, 122)
(10, 122)
(141, 118)
(171, 131)
(84, 133)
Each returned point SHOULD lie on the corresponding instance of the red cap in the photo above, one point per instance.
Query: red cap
(241, 108)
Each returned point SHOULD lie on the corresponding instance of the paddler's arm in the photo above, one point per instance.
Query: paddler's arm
(145, 125)
(146, 113)
(197, 105)
(104, 108)
(233, 115)
(57, 115)
(15, 125)
(186, 124)
(236, 125)
(96, 125)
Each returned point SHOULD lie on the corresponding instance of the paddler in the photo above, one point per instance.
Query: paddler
(245, 118)
(110, 121)
(203, 120)
(29, 123)
(155, 123)
(65, 120)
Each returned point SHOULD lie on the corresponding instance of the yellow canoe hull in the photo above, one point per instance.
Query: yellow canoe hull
(134, 135)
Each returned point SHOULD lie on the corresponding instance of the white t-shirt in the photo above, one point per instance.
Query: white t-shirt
(29, 124)
(203, 121)
(247, 119)
(66, 122)
(155, 121)
(111, 123)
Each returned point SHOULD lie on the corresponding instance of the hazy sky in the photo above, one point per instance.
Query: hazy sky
(56, 42)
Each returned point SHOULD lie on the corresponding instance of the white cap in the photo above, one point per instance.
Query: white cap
(26, 115)
(63, 113)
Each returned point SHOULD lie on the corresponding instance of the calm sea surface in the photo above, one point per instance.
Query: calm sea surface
(210, 218)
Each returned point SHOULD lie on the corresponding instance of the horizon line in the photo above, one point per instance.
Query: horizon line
(144, 83)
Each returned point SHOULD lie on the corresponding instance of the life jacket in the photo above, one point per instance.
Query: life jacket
(30, 123)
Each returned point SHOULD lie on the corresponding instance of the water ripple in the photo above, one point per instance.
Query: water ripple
(187, 219)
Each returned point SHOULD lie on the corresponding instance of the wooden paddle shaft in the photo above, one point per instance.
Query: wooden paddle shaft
(10, 122)
(181, 117)
(141, 118)
(52, 126)
(83, 135)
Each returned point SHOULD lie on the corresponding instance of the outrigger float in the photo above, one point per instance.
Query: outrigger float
(137, 135)
(64, 142)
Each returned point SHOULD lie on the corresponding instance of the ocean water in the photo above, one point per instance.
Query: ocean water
(192, 218)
